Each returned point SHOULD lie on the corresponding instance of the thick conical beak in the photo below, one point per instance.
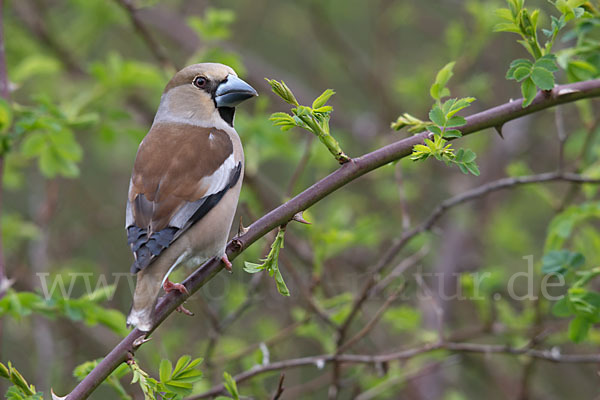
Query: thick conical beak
(232, 91)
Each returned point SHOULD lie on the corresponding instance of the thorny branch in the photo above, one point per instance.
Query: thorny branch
(494, 117)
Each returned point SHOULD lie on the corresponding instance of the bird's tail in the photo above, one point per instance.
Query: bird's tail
(145, 298)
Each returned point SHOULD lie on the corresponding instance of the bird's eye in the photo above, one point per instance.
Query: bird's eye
(200, 82)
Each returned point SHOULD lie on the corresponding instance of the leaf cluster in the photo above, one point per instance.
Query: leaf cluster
(85, 308)
(539, 73)
(443, 126)
(524, 22)
(314, 119)
(533, 75)
(270, 263)
(20, 389)
(48, 137)
(230, 386)
(214, 25)
(581, 302)
(175, 382)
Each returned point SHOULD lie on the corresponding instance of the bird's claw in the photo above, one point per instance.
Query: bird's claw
(185, 311)
(169, 286)
(227, 263)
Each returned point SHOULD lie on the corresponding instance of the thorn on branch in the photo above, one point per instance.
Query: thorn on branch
(55, 396)
(567, 90)
(138, 342)
(299, 217)
(241, 228)
(498, 129)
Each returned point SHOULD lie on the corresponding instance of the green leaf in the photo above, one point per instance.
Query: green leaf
(181, 364)
(542, 78)
(473, 168)
(283, 91)
(231, 386)
(452, 133)
(547, 62)
(434, 129)
(504, 13)
(579, 70)
(521, 62)
(529, 91)
(165, 369)
(281, 286)
(561, 308)
(253, 268)
(458, 105)
(455, 121)
(558, 261)
(469, 156)
(437, 116)
(506, 27)
(438, 89)
(215, 24)
(6, 116)
(521, 73)
(270, 263)
(33, 145)
(179, 388)
(323, 98)
(420, 147)
(518, 63)
(578, 329)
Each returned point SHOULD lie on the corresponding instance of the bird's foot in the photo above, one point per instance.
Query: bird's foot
(227, 263)
(169, 286)
(183, 310)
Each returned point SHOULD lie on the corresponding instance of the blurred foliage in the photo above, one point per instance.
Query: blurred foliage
(84, 90)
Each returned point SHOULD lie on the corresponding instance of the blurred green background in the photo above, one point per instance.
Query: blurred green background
(87, 84)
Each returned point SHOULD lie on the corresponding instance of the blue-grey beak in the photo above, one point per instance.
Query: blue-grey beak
(232, 91)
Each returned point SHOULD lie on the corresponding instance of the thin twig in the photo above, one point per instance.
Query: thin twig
(144, 33)
(398, 270)
(285, 333)
(580, 160)
(561, 132)
(280, 388)
(437, 214)
(29, 14)
(343, 175)
(306, 293)
(552, 355)
(371, 324)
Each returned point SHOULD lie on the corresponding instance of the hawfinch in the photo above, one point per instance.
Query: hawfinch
(185, 183)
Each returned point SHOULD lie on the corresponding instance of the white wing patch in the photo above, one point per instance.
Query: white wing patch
(214, 184)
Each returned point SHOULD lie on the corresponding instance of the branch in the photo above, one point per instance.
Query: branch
(553, 356)
(437, 213)
(371, 324)
(144, 33)
(348, 172)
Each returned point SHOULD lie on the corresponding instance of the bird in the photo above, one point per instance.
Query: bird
(185, 184)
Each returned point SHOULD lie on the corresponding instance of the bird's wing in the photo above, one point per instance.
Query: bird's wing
(180, 173)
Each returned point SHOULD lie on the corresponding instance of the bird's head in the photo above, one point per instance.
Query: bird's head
(203, 94)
